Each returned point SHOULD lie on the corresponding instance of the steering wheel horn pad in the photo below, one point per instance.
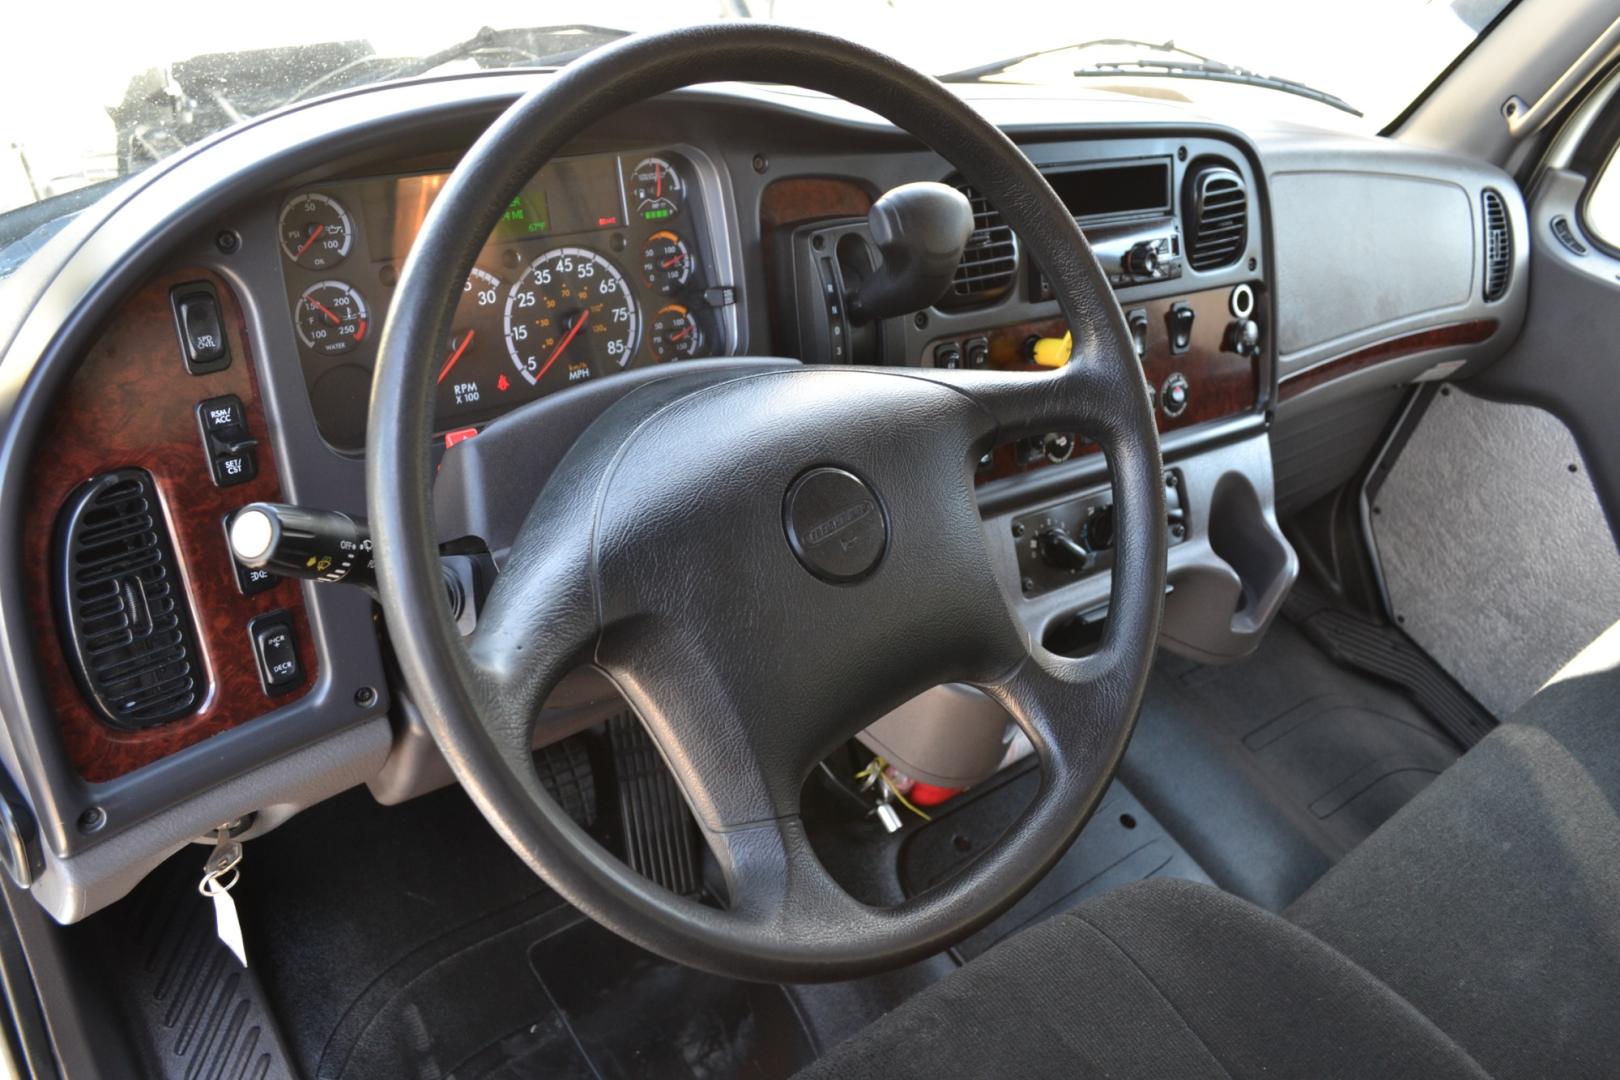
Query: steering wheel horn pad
(764, 564)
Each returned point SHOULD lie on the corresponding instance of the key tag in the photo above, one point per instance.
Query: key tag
(220, 874)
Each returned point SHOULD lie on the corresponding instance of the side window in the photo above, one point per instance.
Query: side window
(1601, 215)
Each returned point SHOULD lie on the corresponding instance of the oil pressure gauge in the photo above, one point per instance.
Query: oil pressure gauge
(316, 231)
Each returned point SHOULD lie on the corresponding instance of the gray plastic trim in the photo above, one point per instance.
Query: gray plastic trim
(1348, 277)
(1215, 611)
(70, 889)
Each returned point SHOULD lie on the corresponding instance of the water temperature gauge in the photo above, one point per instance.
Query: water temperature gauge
(331, 317)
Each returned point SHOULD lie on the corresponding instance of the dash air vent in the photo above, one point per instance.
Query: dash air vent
(1498, 244)
(126, 624)
(990, 260)
(1217, 212)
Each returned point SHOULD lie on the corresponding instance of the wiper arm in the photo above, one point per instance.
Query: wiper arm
(996, 67)
(534, 46)
(524, 42)
(1213, 71)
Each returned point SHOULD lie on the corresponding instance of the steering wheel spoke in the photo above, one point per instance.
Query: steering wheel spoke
(1081, 396)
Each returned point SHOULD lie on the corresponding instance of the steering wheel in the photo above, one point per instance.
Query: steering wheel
(765, 563)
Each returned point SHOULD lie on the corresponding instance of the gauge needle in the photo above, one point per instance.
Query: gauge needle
(314, 235)
(450, 363)
(658, 174)
(683, 333)
(579, 324)
(669, 262)
(324, 310)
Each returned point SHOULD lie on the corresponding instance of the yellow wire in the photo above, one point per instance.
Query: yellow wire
(875, 768)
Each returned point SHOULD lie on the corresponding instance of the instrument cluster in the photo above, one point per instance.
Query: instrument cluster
(600, 264)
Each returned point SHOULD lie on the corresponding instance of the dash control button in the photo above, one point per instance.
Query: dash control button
(222, 418)
(276, 652)
(202, 330)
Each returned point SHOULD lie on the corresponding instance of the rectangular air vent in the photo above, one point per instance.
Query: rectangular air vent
(126, 624)
(1217, 208)
(1498, 244)
(990, 261)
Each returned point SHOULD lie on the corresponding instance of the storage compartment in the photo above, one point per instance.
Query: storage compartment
(1220, 605)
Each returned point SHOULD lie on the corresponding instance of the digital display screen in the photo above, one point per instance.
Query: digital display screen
(571, 195)
(1113, 189)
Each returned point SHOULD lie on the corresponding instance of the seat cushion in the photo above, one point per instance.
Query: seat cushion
(1491, 902)
(1158, 979)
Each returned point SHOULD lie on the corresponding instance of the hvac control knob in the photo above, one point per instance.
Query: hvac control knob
(1142, 260)
(1057, 548)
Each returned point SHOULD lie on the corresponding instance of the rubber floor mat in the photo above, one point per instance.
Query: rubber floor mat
(1121, 843)
(1269, 769)
(615, 1011)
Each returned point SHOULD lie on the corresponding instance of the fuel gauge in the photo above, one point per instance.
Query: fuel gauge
(659, 192)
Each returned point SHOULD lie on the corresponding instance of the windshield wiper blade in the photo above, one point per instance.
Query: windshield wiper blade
(996, 67)
(1213, 71)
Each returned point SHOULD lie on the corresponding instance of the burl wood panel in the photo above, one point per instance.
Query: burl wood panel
(132, 403)
(1471, 332)
(794, 200)
(1222, 383)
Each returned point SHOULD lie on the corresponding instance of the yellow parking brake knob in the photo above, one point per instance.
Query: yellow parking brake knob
(1052, 352)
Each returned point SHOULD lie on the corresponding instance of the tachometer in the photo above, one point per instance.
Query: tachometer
(331, 317)
(316, 232)
(666, 262)
(570, 316)
(659, 191)
(473, 376)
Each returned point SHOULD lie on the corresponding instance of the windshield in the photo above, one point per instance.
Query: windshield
(146, 83)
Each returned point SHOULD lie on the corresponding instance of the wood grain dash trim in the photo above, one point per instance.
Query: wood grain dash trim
(1471, 332)
(132, 403)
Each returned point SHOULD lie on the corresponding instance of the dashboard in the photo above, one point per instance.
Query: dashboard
(210, 333)
(604, 263)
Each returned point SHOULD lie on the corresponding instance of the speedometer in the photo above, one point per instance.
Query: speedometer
(569, 317)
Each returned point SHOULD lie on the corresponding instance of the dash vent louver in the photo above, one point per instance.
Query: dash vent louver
(126, 623)
(1217, 212)
(990, 261)
(1498, 244)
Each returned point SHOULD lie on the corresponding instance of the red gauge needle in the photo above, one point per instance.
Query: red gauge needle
(683, 333)
(658, 175)
(314, 235)
(669, 262)
(450, 363)
(579, 324)
(323, 309)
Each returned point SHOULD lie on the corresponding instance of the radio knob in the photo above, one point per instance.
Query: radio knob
(1142, 260)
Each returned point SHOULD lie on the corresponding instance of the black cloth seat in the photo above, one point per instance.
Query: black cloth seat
(1155, 980)
(1491, 902)
(1476, 933)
